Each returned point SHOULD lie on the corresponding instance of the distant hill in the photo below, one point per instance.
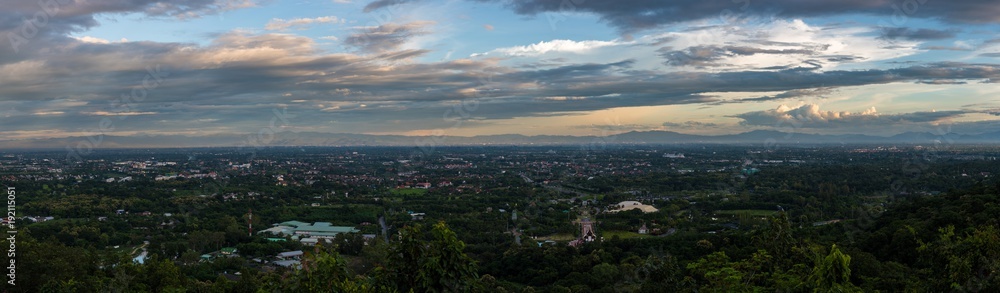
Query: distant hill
(633, 137)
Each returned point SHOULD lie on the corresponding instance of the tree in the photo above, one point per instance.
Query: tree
(435, 266)
(969, 263)
(833, 273)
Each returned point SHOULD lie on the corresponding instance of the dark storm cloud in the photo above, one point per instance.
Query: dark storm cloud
(942, 81)
(606, 79)
(922, 34)
(633, 15)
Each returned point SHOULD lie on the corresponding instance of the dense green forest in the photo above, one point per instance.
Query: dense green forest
(925, 244)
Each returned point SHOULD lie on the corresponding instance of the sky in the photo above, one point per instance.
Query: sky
(482, 67)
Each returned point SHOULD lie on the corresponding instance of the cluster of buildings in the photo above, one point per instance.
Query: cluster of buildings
(308, 233)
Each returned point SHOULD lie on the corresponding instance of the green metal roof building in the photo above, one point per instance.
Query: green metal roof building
(318, 229)
(228, 250)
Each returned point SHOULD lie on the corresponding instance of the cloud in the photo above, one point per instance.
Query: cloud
(792, 94)
(923, 34)
(810, 116)
(554, 46)
(712, 56)
(386, 37)
(947, 48)
(488, 27)
(378, 4)
(617, 127)
(634, 15)
(690, 125)
(709, 56)
(69, 17)
(698, 56)
(106, 113)
(278, 24)
(771, 45)
(942, 81)
(233, 83)
(88, 39)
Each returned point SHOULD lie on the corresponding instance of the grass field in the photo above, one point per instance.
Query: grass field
(623, 234)
(557, 237)
(754, 213)
(408, 191)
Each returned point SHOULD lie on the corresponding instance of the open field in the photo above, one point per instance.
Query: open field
(408, 191)
(756, 213)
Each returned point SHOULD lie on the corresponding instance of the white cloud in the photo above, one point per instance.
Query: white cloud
(810, 116)
(554, 46)
(762, 44)
(93, 40)
(784, 43)
(277, 24)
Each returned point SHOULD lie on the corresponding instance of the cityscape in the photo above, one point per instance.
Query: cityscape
(500, 145)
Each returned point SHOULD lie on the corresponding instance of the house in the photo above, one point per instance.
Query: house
(228, 251)
(417, 216)
(294, 264)
(643, 229)
(309, 241)
(290, 254)
(444, 183)
(424, 185)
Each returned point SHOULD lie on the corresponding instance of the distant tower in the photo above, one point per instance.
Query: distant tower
(250, 222)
